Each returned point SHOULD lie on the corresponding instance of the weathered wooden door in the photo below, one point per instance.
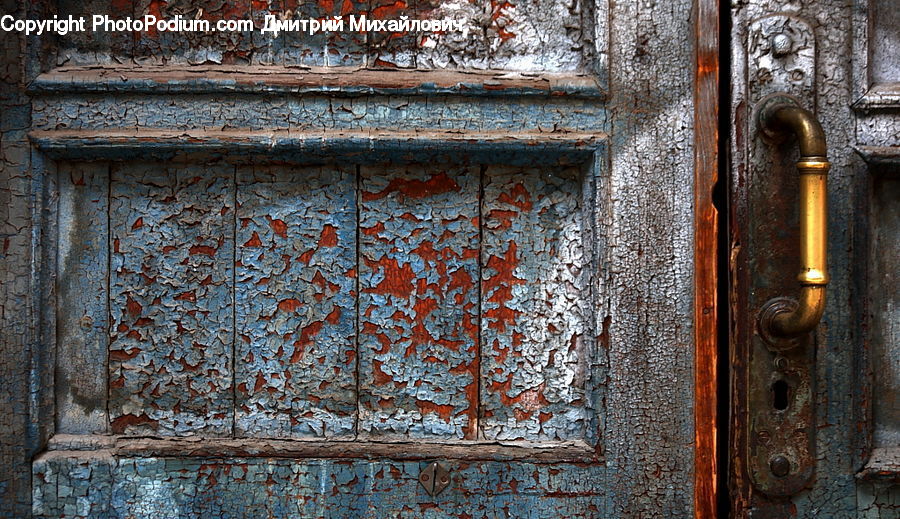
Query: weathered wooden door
(815, 424)
(464, 272)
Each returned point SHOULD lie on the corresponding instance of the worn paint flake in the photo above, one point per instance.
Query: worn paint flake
(418, 307)
(296, 302)
(172, 263)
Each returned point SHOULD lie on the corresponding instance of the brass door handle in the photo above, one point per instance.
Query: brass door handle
(782, 318)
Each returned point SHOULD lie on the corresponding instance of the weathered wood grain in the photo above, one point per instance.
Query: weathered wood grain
(345, 80)
(83, 295)
(171, 308)
(544, 452)
(418, 303)
(295, 290)
(536, 306)
(709, 433)
(646, 241)
(317, 147)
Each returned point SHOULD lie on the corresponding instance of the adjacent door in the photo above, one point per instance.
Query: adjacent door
(814, 428)
(365, 273)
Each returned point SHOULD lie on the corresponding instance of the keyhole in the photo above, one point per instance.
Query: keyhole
(780, 393)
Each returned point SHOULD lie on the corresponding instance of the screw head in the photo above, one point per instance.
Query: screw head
(782, 44)
(781, 363)
(87, 322)
(780, 466)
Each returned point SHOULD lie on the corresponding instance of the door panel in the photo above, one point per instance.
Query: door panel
(291, 290)
(802, 50)
(171, 307)
(299, 235)
(537, 305)
(295, 297)
(81, 393)
(419, 301)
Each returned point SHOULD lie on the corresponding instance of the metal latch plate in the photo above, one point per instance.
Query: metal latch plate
(434, 478)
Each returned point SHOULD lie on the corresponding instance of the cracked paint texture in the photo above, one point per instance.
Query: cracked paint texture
(89, 47)
(339, 48)
(171, 271)
(295, 293)
(646, 441)
(531, 35)
(79, 486)
(21, 414)
(435, 278)
(536, 307)
(195, 47)
(306, 112)
(418, 307)
(878, 500)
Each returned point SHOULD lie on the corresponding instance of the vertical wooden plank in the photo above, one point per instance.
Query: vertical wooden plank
(295, 368)
(83, 292)
(17, 258)
(172, 263)
(706, 280)
(536, 305)
(418, 306)
(647, 263)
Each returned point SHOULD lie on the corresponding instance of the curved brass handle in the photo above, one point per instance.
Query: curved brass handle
(783, 318)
